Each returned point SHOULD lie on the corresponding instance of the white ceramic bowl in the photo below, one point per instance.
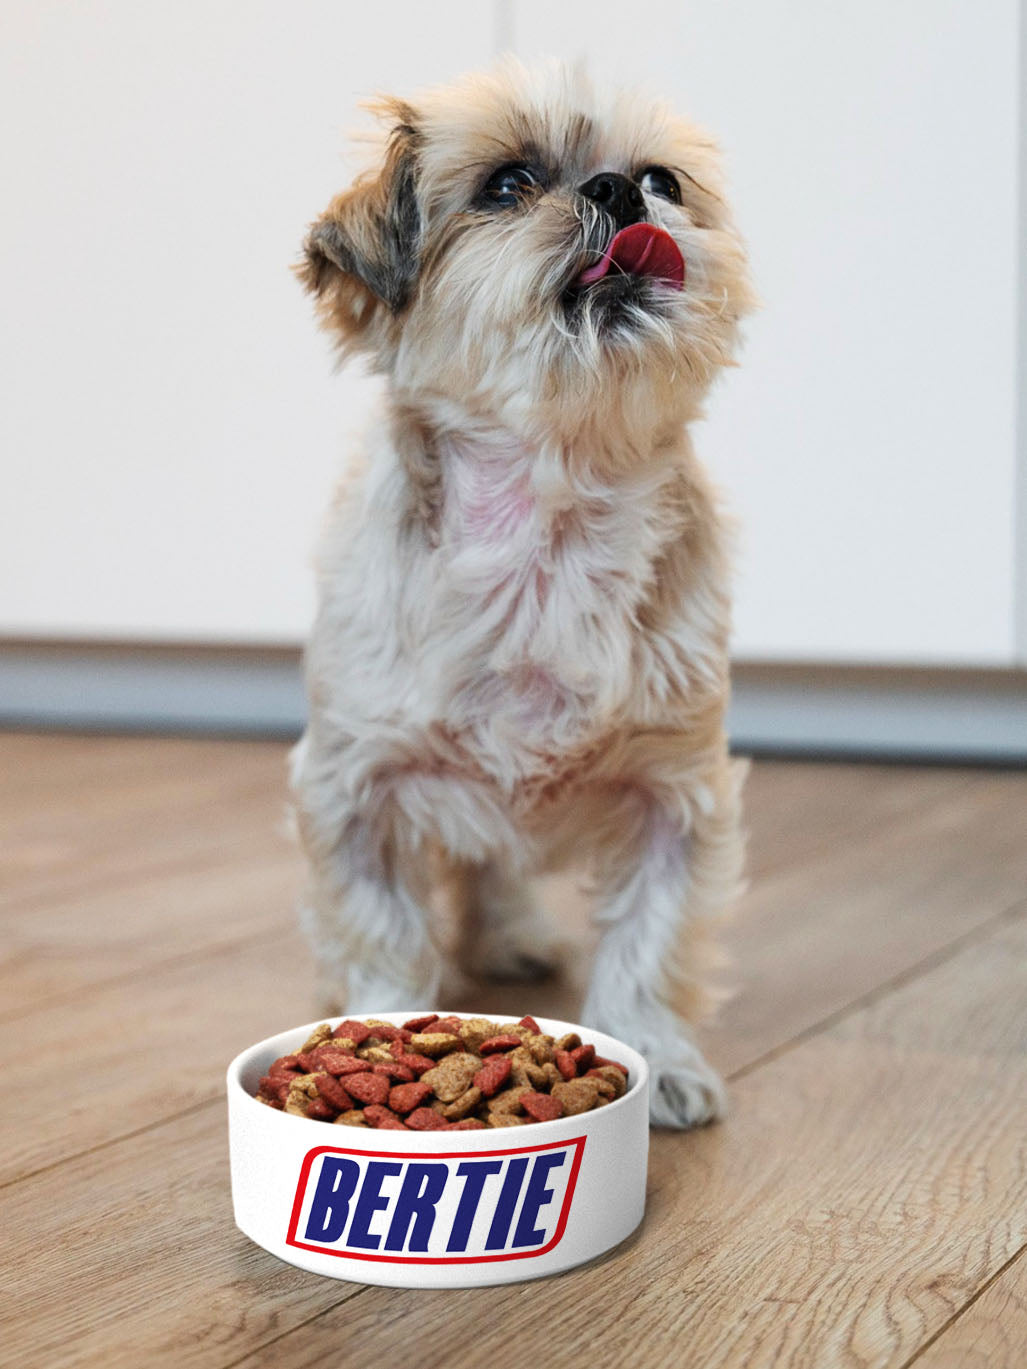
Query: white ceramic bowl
(430, 1209)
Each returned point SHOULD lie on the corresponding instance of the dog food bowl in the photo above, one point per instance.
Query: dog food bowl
(437, 1209)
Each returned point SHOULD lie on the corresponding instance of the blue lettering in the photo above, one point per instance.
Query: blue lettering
(330, 1207)
(536, 1195)
(421, 1191)
(508, 1195)
(474, 1173)
(369, 1202)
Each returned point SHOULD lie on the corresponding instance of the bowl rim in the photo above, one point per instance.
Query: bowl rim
(637, 1064)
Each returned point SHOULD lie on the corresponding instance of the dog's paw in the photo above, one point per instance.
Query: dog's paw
(685, 1093)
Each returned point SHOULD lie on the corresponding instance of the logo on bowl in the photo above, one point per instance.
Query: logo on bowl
(435, 1208)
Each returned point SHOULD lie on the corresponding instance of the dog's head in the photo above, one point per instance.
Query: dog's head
(526, 247)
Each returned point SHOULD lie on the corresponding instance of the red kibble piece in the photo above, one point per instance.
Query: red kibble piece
(286, 1062)
(332, 1092)
(426, 1119)
(320, 1110)
(493, 1075)
(531, 1025)
(381, 1118)
(418, 1024)
(451, 1025)
(466, 1124)
(276, 1086)
(400, 1073)
(543, 1107)
(601, 1060)
(566, 1064)
(406, 1097)
(506, 1042)
(337, 1062)
(385, 1032)
(356, 1031)
(307, 1062)
(418, 1063)
(583, 1056)
(368, 1088)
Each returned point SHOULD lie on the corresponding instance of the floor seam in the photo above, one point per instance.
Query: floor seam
(941, 956)
(955, 1317)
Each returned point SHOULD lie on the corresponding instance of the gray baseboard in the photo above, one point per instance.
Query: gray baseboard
(788, 710)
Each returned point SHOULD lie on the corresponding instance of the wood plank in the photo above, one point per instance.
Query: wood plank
(84, 941)
(819, 934)
(991, 1333)
(168, 803)
(129, 1257)
(867, 1184)
(133, 1053)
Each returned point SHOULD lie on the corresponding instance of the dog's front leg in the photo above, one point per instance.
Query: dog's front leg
(365, 916)
(657, 883)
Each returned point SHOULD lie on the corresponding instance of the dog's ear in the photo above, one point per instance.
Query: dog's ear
(361, 256)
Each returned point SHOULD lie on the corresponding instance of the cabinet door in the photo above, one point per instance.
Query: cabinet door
(868, 440)
(170, 426)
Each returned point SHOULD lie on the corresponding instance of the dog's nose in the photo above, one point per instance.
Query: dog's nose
(619, 196)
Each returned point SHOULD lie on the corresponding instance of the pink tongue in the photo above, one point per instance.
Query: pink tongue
(641, 249)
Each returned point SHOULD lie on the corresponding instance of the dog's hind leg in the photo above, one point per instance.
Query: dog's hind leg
(506, 933)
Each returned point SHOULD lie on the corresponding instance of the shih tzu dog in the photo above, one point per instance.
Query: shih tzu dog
(520, 655)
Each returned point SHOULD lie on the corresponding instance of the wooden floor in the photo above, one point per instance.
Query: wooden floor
(865, 1204)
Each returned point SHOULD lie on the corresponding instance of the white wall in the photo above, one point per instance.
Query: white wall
(869, 440)
(170, 419)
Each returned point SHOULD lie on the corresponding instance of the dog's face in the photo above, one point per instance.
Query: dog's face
(525, 247)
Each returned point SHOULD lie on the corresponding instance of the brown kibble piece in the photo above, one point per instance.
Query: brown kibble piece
(460, 1107)
(568, 1042)
(613, 1075)
(468, 1124)
(434, 1044)
(319, 1034)
(576, 1095)
(507, 1101)
(452, 1075)
(353, 1118)
(475, 1030)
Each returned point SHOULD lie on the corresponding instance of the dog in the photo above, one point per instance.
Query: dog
(520, 655)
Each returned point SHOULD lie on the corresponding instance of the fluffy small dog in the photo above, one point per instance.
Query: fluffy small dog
(520, 655)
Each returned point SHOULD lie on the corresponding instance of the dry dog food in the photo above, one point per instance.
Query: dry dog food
(440, 1074)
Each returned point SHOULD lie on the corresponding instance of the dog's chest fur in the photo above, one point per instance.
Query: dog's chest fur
(537, 578)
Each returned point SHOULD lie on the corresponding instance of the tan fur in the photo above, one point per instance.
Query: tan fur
(520, 656)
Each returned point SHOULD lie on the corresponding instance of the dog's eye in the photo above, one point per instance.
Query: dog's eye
(657, 180)
(509, 186)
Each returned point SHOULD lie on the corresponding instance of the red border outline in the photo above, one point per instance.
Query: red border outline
(578, 1142)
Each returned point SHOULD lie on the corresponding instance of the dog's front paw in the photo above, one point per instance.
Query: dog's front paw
(685, 1092)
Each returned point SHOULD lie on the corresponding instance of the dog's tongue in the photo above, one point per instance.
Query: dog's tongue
(641, 249)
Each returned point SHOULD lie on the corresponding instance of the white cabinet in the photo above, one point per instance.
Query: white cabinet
(868, 442)
(170, 425)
